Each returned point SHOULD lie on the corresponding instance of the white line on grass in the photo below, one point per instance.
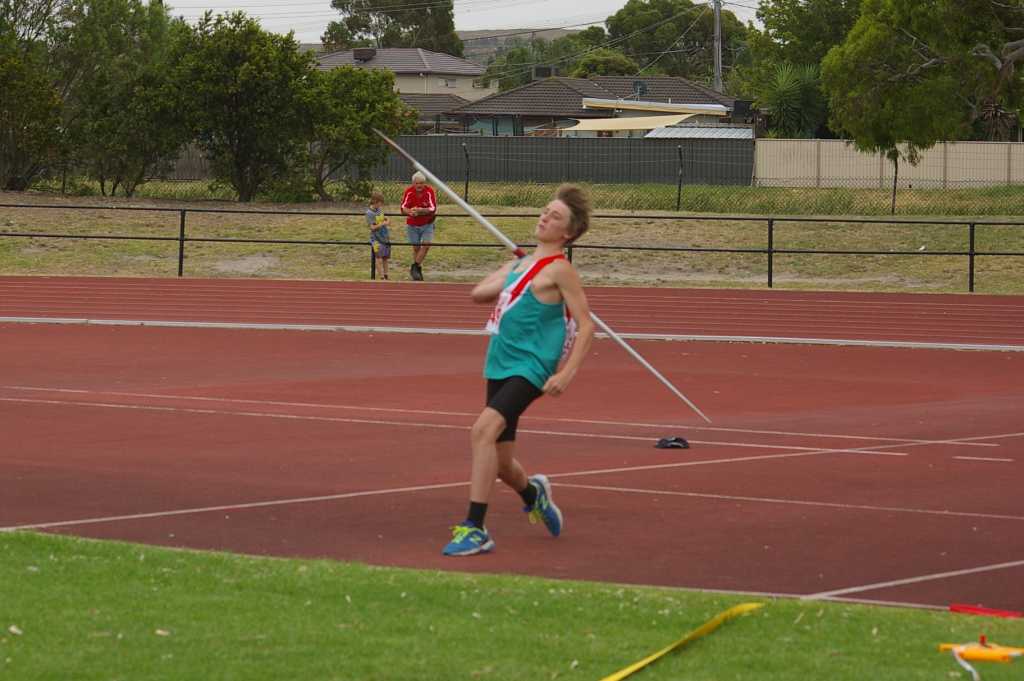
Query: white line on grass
(431, 412)
(913, 580)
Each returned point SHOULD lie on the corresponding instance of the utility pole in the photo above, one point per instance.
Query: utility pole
(717, 4)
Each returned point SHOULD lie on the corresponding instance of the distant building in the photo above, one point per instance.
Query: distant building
(600, 106)
(417, 71)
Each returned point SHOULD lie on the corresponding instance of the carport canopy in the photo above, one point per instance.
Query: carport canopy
(628, 123)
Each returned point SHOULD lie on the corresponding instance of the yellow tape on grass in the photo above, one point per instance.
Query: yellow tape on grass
(701, 631)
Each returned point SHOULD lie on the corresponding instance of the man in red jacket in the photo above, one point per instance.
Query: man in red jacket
(419, 203)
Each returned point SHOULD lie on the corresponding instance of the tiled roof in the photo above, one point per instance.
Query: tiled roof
(548, 97)
(564, 96)
(662, 89)
(430, 106)
(404, 60)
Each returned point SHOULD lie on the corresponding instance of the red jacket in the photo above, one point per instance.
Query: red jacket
(423, 199)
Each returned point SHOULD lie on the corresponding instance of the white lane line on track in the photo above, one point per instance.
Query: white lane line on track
(983, 458)
(430, 412)
(230, 507)
(793, 502)
(442, 426)
(418, 488)
(913, 580)
(920, 345)
(282, 502)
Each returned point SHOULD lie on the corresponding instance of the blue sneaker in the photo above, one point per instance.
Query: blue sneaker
(544, 508)
(468, 540)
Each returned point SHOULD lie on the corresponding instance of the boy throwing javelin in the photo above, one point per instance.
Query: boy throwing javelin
(540, 307)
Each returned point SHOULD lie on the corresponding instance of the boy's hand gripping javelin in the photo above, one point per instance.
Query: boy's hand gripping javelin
(520, 253)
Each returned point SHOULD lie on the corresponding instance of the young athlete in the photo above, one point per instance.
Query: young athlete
(539, 301)
(380, 238)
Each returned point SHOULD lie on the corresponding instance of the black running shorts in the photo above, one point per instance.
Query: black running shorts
(510, 397)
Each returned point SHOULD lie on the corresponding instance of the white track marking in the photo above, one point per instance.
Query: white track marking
(282, 502)
(794, 502)
(983, 458)
(913, 580)
(430, 412)
(442, 426)
(230, 507)
(479, 332)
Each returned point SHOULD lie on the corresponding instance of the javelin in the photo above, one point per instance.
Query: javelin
(520, 253)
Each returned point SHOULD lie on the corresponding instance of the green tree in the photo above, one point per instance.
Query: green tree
(675, 37)
(29, 117)
(345, 105)
(246, 90)
(793, 101)
(393, 23)
(801, 32)
(30, 101)
(914, 72)
(124, 120)
(796, 32)
(604, 62)
(513, 65)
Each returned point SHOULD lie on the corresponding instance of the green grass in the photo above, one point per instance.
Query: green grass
(926, 273)
(999, 200)
(105, 610)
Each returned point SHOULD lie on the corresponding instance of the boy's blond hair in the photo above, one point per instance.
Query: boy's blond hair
(376, 197)
(579, 209)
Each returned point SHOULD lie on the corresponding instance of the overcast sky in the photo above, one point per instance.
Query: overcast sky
(309, 18)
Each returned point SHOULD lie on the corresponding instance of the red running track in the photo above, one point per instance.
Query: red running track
(873, 473)
(910, 318)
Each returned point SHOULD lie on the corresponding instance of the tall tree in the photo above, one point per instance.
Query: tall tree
(30, 101)
(801, 32)
(604, 62)
(124, 118)
(393, 23)
(29, 117)
(345, 105)
(914, 72)
(246, 99)
(675, 37)
(794, 34)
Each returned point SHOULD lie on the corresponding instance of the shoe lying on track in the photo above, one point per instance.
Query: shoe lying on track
(468, 540)
(544, 508)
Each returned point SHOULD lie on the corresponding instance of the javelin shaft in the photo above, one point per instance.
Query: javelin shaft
(498, 234)
(636, 355)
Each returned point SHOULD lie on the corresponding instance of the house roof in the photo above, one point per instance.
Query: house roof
(404, 60)
(430, 106)
(549, 97)
(662, 89)
(564, 97)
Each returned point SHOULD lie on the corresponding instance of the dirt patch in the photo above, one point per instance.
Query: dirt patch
(250, 264)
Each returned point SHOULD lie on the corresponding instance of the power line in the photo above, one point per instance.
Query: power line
(674, 43)
(524, 68)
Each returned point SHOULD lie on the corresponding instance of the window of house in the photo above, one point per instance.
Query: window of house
(446, 82)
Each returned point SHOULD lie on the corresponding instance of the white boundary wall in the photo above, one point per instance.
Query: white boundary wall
(835, 163)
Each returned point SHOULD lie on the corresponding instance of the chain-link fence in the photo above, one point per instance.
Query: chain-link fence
(762, 177)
